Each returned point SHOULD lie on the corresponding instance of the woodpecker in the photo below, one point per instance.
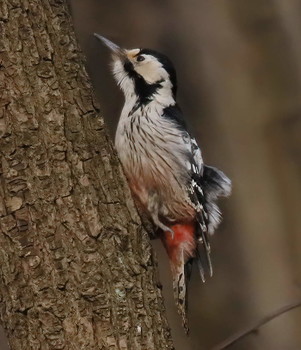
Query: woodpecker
(163, 164)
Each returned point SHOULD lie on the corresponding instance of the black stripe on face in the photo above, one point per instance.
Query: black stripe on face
(143, 90)
(146, 91)
(129, 68)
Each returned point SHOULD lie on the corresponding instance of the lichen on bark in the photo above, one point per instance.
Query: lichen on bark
(76, 266)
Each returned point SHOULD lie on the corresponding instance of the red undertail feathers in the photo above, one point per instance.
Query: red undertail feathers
(181, 249)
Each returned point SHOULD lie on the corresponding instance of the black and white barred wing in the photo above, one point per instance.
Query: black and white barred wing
(206, 185)
(197, 198)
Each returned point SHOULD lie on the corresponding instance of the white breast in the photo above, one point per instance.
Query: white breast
(154, 155)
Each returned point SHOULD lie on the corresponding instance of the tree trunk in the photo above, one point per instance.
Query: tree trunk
(76, 265)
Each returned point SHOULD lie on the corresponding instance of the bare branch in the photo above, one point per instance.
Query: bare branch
(253, 328)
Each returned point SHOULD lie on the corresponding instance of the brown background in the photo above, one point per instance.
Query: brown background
(239, 72)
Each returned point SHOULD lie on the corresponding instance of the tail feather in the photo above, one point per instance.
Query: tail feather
(180, 250)
(180, 291)
(190, 242)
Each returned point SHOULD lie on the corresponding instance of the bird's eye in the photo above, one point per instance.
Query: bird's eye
(140, 58)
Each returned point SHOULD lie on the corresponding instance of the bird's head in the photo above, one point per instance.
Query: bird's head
(143, 73)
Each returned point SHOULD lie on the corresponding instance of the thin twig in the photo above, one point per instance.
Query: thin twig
(243, 333)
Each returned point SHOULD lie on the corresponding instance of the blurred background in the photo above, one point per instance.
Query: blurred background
(239, 76)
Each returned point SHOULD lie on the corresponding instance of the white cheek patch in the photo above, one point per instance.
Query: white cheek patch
(151, 70)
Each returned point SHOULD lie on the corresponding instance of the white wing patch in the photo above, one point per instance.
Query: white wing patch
(197, 157)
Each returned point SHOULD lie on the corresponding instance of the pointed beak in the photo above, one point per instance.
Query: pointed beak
(116, 50)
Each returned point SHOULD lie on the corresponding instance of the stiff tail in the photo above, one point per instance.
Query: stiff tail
(190, 242)
(180, 249)
(180, 290)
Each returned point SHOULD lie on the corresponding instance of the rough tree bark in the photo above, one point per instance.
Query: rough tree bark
(76, 268)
